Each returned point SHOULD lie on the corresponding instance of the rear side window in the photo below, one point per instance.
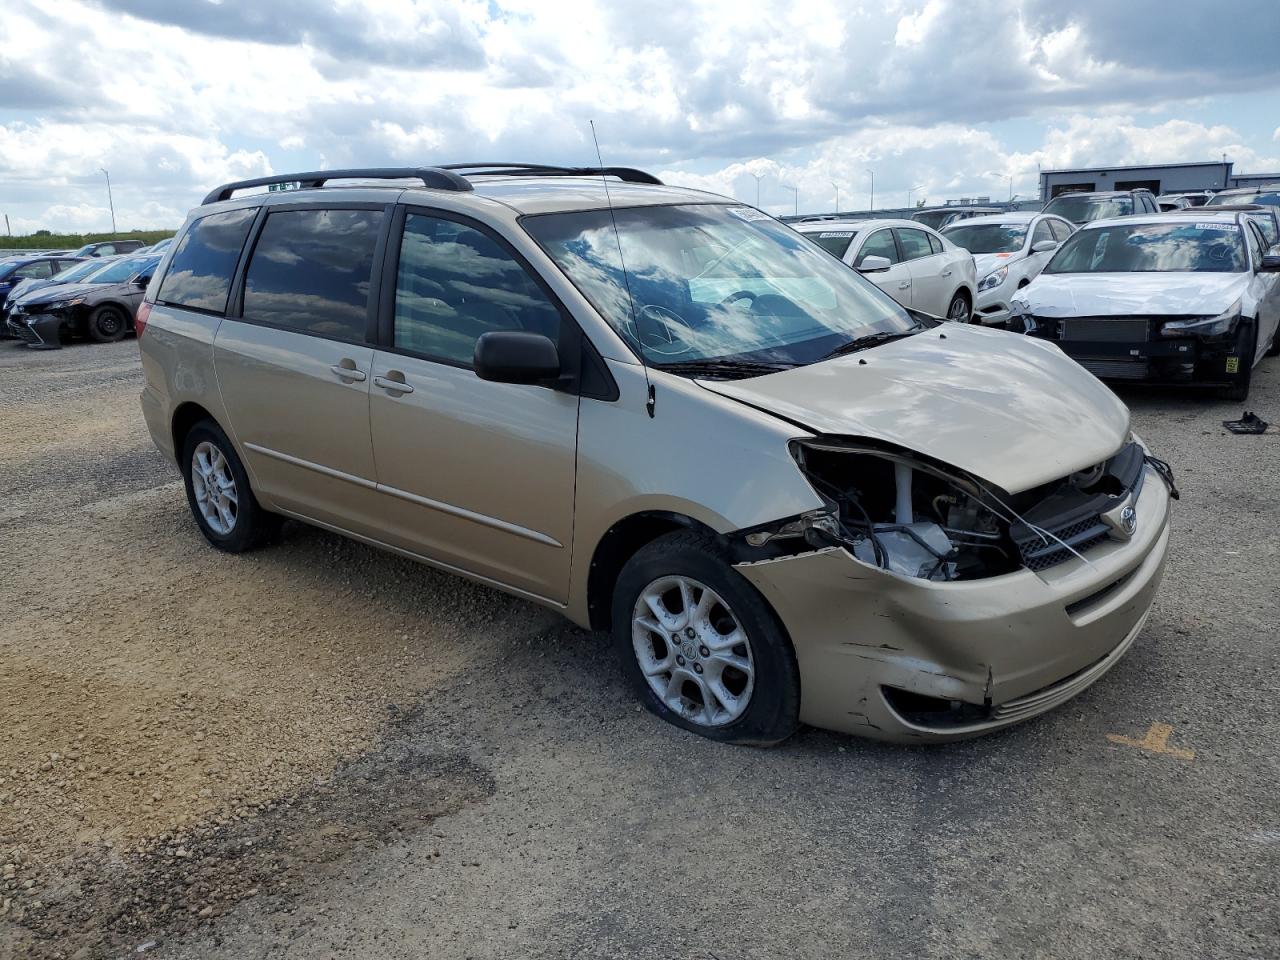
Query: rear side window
(879, 244)
(455, 283)
(311, 271)
(40, 270)
(934, 243)
(199, 275)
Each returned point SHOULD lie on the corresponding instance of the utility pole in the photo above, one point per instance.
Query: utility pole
(918, 186)
(837, 186)
(110, 201)
(1011, 188)
(6, 225)
(873, 189)
(796, 191)
(759, 177)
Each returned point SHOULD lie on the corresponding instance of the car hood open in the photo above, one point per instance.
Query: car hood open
(1013, 410)
(1133, 294)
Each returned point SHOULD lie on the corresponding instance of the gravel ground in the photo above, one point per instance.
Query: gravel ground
(318, 750)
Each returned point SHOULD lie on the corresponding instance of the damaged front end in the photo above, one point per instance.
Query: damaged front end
(910, 515)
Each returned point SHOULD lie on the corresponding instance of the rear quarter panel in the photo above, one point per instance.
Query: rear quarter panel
(177, 362)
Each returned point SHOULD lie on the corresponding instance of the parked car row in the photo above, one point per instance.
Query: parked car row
(100, 304)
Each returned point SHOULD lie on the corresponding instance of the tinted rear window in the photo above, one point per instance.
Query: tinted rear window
(199, 274)
(311, 271)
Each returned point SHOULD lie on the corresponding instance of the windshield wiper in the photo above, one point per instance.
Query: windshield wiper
(725, 367)
(870, 340)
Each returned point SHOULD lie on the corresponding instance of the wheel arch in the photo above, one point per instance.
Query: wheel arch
(186, 416)
(124, 308)
(618, 545)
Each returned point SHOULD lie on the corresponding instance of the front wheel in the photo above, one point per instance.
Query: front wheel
(701, 647)
(218, 492)
(107, 325)
(958, 310)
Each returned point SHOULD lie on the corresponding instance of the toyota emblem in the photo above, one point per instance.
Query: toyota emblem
(1129, 521)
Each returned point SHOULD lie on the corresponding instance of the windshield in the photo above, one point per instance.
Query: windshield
(1153, 248)
(715, 282)
(122, 270)
(1271, 199)
(1084, 209)
(81, 271)
(987, 237)
(835, 242)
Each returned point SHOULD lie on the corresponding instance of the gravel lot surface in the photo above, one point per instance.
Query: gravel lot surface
(318, 750)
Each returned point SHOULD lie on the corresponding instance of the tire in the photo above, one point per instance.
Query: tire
(1246, 347)
(1274, 349)
(759, 706)
(233, 527)
(107, 324)
(960, 309)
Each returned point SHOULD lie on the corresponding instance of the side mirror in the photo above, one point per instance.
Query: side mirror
(141, 282)
(1270, 262)
(874, 264)
(1044, 246)
(514, 356)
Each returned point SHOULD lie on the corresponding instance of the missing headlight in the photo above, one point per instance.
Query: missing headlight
(905, 514)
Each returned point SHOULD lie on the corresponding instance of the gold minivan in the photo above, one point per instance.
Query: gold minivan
(669, 416)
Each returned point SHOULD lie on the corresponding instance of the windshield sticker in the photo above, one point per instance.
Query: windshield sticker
(746, 213)
(835, 233)
(1216, 226)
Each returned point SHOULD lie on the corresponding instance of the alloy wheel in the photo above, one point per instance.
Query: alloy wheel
(215, 488)
(693, 651)
(959, 310)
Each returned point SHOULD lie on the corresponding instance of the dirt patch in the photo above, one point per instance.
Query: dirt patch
(107, 902)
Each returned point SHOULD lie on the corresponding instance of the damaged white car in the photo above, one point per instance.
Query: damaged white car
(788, 498)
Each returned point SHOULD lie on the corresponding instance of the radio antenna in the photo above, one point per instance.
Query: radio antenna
(651, 400)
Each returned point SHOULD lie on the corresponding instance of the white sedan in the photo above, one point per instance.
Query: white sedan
(918, 267)
(1009, 249)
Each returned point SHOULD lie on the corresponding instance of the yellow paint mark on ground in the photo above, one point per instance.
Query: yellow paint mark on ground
(1156, 741)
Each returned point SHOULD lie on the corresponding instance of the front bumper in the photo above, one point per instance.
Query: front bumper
(41, 331)
(991, 307)
(1004, 649)
(1151, 358)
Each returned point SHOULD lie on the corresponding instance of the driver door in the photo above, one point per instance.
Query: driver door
(896, 281)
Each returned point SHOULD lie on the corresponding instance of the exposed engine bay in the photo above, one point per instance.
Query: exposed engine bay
(904, 513)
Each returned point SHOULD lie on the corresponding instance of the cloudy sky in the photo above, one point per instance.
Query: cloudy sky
(950, 97)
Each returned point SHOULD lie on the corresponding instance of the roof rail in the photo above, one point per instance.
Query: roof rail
(626, 174)
(437, 178)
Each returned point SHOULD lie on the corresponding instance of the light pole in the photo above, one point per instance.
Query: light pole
(918, 186)
(796, 191)
(873, 189)
(837, 186)
(111, 202)
(759, 177)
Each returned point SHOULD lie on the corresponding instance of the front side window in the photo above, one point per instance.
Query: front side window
(766, 297)
(40, 270)
(880, 244)
(1267, 227)
(1153, 248)
(311, 271)
(915, 244)
(987, 237)
(1086, 209)
(455, 283)
(1041, 232)
(1252, 238)
(118, 271)
(199, 275)
(1061, 229)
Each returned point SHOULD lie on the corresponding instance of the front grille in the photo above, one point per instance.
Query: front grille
(23, 332)
(1037, 554)
(1105, 329)
(1116, 369)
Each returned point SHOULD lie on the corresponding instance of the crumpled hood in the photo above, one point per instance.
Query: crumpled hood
(61, 291)
(1011, 409)
(1130, 294)
(986, 262)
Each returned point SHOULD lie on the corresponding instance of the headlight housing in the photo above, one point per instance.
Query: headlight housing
(1220, 326)
(993, 279)
(64, 304)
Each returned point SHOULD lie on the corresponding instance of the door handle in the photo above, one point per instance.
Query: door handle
(348, 373)
(392, 385)
(904, 284)
(947, 273)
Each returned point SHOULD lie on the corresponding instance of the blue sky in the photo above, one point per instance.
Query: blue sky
(950, 98)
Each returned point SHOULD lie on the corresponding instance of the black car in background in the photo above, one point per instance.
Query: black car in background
(109, 248)
(78, 272)
(102, 310)
(37, 267)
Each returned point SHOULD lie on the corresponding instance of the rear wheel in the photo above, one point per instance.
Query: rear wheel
(959, 310)
(701, 647)
(218, 492)
(1246, 347)
(107, 324)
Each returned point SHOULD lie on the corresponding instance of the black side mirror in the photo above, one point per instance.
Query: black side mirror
(141, 282)
(1270, 263)
(514, 356)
